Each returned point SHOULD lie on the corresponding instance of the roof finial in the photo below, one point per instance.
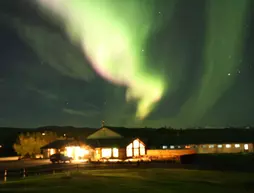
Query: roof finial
(102, 123)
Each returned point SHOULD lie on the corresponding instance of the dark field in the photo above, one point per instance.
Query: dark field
(136, 180)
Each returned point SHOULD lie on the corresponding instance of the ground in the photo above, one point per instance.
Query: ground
(136, 180)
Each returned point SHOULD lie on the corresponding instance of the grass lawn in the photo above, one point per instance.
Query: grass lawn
(136, 180)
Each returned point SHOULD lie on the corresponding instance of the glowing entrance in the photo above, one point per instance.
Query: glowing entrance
(76, 152)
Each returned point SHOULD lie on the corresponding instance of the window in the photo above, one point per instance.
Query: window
(228, 145)
(237, 145)
(246, 146)
(129, 150)
(115, 152)
(211, 146)
(164, 147)
(136, 152)
(142, 149)
(219, 146)
(136, 144)
(106, 152)
(204, 146)
(172, 147)
(136, 148)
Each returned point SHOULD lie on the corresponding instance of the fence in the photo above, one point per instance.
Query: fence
(27, 172)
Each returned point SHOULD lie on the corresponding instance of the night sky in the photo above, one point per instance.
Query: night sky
(201, 49)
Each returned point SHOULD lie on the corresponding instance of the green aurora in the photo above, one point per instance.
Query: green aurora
(113, 35)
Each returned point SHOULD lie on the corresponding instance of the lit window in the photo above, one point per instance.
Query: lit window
(228, 145)
(142, 151)
(106, 152)
(129, 150)
(141, 145)
(115, 152)
(237, 145)
(246, 146)
(136, 152)
(204, 146)
(179, 146)
(187, 147)
(164, 147)
(219, 146)
(136, 144)
(172, 147)
(211, 146)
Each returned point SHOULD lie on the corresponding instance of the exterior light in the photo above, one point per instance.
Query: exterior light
(43, 133)
(211, 146)
(228, 145)
(237, 145)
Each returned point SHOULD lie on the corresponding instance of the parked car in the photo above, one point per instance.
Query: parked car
(60, 158)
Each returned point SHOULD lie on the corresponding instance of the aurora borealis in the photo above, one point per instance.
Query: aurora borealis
(130, 63)
(112, 39)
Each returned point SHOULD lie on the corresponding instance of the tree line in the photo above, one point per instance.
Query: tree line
(29, 144)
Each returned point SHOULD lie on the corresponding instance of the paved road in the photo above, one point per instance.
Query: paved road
(22, 164)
